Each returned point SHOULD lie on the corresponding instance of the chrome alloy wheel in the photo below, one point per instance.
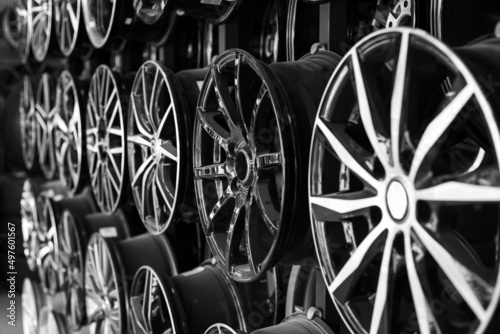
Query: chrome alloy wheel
(105, 292)
(32, 302)
(100, 16)
(156, 158)
(46, 114)
(105, 139)
(404, 161)
(29, 219)
(69, 142)
(28, 121)
(67, 15)
(220, 329)
(24, 28)
(41, 18)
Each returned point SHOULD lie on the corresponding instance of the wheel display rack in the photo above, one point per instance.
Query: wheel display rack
(255, 166)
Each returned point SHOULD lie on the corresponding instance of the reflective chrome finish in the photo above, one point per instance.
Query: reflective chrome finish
(392, 14)
(68, 133)
(67, 15)
(99, 19)
(41, 18)
(404, 162)
(33, 300)
(24, 27)
(220, 329)
(150, 11)
(105, 137)
(46, 113)
(155, 159)
(28, 121)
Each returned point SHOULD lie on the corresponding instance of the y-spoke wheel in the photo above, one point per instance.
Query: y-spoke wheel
(51, 322)
(41, 20)
(220, 329)
(67, 23)
(157, 158)
(69, 141)
(105, 138)
(28, 123)
(404, 162)
(33, 300)
(245, 177)
(24, 28)
(46, 114)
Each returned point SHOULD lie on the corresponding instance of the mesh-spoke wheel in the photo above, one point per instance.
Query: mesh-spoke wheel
(28, 122)
(24, 28)
(69, 142)
(220, 329)
(404, 162)
(244, 153)
(157, 158)
(41, 20)
(105, 129)
(51, 322)
(33, 300)
(46, 114)
(67, 14)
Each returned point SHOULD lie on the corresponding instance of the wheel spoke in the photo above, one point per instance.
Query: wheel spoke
(140, 140)
(211, 172)
(459, 192)
(168, 150)
(233, 242)
(226, 196)
(138, 121)
(269, 160)
(214, 130)
(238, 81)
(269, 213)
(141, 171)
(226, 103)
(72, 16)
(342, 206)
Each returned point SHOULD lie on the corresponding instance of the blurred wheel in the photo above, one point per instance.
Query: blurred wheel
(398, 168)
(300, 33)
(41, 18)
(51, 322)
(67, 16)
(33, 300)
(25, 28)
(221, 329)
(28, 124)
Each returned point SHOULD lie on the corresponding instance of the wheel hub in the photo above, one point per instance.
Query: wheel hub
(243, 166)
(397, 201)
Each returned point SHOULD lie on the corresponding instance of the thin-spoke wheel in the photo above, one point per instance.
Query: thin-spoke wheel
(156, 155)
(33, 300)
(41, 21)
(46, 114)
(105, 139)
(51, 322)
(220, 329)
(28, 121)
(100, 17)
(67, 14)
(404, 163)
(24, 28)
(69, 141)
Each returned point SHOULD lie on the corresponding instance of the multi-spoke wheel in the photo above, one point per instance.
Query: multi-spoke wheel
(214, 12)
(29, 219)
(51, 322)
(106, 143)
(247, 165)
(32, 302)
(69, 141)
(220, 329)
(183, 303)
(24, 28)
(28, 122)
(109, 270)
(403, 164)
(67, 15)
(41, 22)
(46, 115)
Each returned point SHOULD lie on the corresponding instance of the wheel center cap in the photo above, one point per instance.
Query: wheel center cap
(397, 200)
(242, 166)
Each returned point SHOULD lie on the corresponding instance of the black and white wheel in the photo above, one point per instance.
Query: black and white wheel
(300, 33)
(69, 138)
(67, 16)
(46, 116)
(221, 329)
(402, 166)
(28, 122)
(29, 215)
(100, 18)
(24, 28)
(247, 158)
(214, 12)
(51, 322)
(41, 22)
(299, 323)
(106, 142)
(33, 300)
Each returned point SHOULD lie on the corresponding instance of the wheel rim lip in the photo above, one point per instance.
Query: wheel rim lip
(40, 55)
(48, 319)
(30, 299)
(117, 274)
(167, 293)
(271, 8)
(463, 69)
(228, 13)
(105, 70)
(23, 49)
(66, 51)
(64, 167)
(220, 329)
(278, 108)
(28, 141)
(181, 159)
(149, 19)
(90, 21)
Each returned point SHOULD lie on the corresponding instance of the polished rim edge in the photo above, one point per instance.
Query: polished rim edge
(98, 27)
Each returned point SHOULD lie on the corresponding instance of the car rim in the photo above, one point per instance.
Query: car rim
(300, 34)
(153, 142)
(28, 123)
(386, 213)
(72, 270)
(32, 302)
(103, 289)
(105, 140)
(24, 21)
(220, 329)
(41, 16)
(150, 11)
(398, 14)
(68, 136)
(28, 219)
(67, 18)
(99, 18)
(239, 174)
(45, 116)
(270, 33)
(150, 309)
(11, 26)
(50, 322)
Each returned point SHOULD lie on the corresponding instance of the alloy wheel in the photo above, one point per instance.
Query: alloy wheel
(28, 121)
(220, 329)
(99, 18)
(41, 18)
(32, 302)
(24, 28)
(67, 15)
